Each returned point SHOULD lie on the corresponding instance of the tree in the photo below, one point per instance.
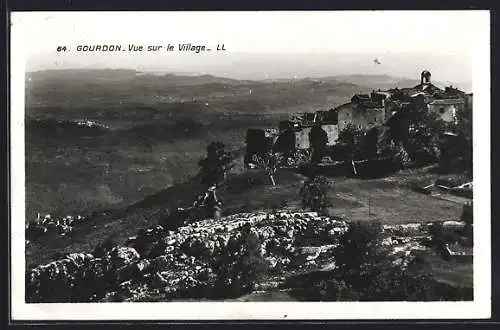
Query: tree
(350, 134)
(456, 152)
(423, 137)
(285, 144)
(241, 265)
(314, 194)
(359, 246)
(269, 162)
(271, 165)
(318, 139)
(418, 130)
(350, 137)
(217, 163)
(363, 262)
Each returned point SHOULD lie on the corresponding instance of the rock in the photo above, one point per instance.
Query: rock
(177, 268)
(121, 256)
(404, 229)
(162, 262)
(453, 225)
(79, 258)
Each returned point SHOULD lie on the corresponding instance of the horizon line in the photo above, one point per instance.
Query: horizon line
(234, 77)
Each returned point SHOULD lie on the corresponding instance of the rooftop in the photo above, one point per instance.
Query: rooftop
(360, 98)
(447, 101)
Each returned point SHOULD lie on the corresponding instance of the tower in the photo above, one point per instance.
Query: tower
(425, 77)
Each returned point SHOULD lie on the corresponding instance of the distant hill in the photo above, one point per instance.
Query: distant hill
(86, 91)
(387, 82)
(375, 81)
(124, 75)
(82, 77)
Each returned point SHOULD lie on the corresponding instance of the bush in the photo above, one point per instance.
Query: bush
(351, 140)
(437, 232)
(418, 130)
(240, 266)
(102, 248)
(359, 250)
(415, 283)
(337, 290)
(439, 236)
(216, 165)
(314, 194)
(351, 134)
(467, 213)
(366, 271)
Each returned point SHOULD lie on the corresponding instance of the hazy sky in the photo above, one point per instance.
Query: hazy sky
(262, 44)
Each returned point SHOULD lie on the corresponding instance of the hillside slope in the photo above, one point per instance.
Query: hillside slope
(149, 131)
(389, 199)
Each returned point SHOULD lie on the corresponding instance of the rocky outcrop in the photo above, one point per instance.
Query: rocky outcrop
(160, 264)
(49, 225)
(178, 263)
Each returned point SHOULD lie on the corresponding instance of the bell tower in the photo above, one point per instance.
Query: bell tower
(425, 77)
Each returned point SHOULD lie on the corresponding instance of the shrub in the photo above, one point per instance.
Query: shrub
(437, 232)
(350, 138)
(366, 271)
(240, 266)
(467, 213)
(439, 236)
(337, 290)
(314, 194)
(102, 248)
(359, 250)
(415, 283)
(350, 134)
(418, 130)
(216, 164)
(269, 162)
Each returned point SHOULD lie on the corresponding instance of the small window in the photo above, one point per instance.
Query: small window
(441, 110)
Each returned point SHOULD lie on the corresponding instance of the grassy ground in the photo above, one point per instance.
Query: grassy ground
(390, 201)
(451, 272)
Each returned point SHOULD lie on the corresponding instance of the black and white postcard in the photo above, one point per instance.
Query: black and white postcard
(250, 165)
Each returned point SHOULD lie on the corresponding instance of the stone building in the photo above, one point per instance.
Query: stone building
(301, 127)
(447, 108)
(302, 135)
(364, 111)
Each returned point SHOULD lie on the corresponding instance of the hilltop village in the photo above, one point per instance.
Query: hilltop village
(363, 113)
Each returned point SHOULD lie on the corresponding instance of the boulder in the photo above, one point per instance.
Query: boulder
(122, 256)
